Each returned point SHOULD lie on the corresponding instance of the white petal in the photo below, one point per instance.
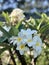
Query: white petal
(11, 41)
(37, 39)
(35, 54)
(30, 44)
(34, 31)
(15, 42)
(17, 48)
(21, 52)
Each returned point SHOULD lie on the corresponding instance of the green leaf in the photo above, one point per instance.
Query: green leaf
(5, 32)
(1, 23)
(2, 39)
(44, 28)
(39, 24)
(6, 16)
(6, 45)
(43, 15)
(14, 31)
(17, 25)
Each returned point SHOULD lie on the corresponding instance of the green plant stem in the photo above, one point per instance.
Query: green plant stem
(11, 54)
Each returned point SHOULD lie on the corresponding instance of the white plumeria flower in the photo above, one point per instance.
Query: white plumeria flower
(7, 28)
(1, 33)
(19, 40)
(27, 33)
(29, 41)
(37, 45)
(37, 42)
(16, 40)
(24, 36)
(22, 48)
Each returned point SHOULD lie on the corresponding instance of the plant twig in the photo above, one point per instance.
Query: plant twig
(11, 54)
(35, 61)
(20, 57)
(0, 62)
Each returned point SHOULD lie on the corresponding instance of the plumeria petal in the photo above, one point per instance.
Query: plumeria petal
(31, 31)
(22, 48)
(29, 42)
(37, 45)
(21, 52)
(37, 52)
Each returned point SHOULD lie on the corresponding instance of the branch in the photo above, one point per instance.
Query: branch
(0, 62)
(13, 59)
(20, 57)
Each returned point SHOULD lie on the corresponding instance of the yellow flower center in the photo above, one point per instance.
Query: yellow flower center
(29, 40)
(37, 44)
(19, 39)
(22, 46)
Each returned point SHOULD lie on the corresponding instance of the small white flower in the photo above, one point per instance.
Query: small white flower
(29, 41)
(7, 28)
(37, 45)
(37, 41)
(26, 36)
(27, 33)
(22, 48)
(23, 33)
(19, 40)
(16, 40)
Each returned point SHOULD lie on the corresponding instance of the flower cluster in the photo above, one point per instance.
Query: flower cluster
(16, 16)
(25, 39)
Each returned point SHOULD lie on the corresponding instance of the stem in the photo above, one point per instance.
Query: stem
(20, 57)
(32, 62)
(13, 59)
(0, 62)
(35, 61)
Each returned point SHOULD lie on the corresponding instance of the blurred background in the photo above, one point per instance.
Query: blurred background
(29, 6)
